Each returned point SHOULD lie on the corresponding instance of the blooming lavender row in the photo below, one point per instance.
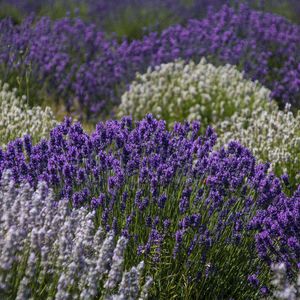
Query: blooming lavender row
(50, 251)
(133, 18)
(263, 45)
(95, 72)
(18, 119)
(175, 199)
(104, 12)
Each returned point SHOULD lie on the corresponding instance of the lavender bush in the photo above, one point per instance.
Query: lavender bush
(175, 200)
(261, 44)
(123, 18)
(93, 73)
(278, 239)
(18, 119)
(180, 91)
(51, 251)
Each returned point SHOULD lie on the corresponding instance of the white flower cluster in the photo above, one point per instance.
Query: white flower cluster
(17, 118)
(284, 290)
(180, 91)
(50, 251)
(272, 135)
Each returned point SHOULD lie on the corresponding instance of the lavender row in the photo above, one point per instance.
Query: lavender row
(48, 59)
(175, 200)
(70, 61)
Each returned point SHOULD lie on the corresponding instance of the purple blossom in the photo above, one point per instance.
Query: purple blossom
(178, 237)
(162, 200)
(278, 239)
(253, 279)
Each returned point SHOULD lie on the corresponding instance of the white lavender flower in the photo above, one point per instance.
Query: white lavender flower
(180, 91)
(50, 250)
(17, 118)
(145, 288)
(130, 284)
(272, 135)
(99, 268)
(283, 289)
(115, 273)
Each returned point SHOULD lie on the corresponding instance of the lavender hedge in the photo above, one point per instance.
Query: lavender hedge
(185, 209)
(89, 72)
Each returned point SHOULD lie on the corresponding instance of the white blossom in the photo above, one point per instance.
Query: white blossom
(271, 134)
(180, 91)
(115, 273)
(18, 119)
(283, 289)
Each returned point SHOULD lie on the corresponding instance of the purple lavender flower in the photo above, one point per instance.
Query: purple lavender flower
(162, 201)
(253, 279)
(178, 237)
(278, 240)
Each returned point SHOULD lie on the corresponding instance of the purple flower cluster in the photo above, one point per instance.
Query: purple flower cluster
(54, 55)
(116, 151)
(167, 191)
(71, 60)
(278, 239)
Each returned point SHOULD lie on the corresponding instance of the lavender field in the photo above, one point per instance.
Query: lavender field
(149, 149)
